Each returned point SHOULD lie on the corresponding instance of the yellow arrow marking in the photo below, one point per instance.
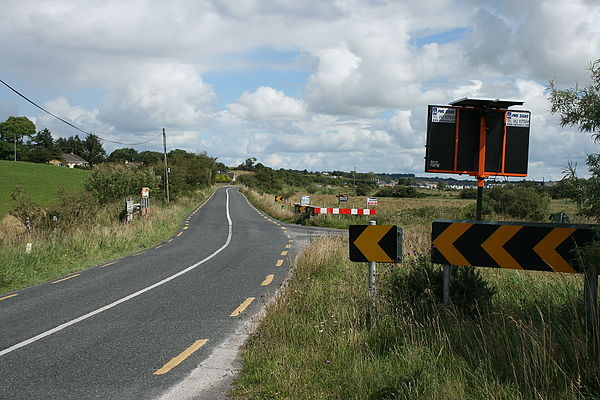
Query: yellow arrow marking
(367, 243)
(445, 243)
(546, 249)
(494, 245)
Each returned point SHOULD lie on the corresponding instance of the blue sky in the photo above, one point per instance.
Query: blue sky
(317, 85)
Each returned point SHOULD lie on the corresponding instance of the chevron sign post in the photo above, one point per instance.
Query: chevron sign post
(513, 245)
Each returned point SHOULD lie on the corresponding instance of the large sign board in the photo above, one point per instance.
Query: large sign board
(513, 245)
(454, 141)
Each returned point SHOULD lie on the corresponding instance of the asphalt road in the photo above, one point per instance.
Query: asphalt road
(144, 325)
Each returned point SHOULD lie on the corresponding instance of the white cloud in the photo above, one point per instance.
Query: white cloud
(369, 82)
(266, 104)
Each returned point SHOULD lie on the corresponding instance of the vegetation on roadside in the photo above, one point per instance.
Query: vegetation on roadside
(508, 335)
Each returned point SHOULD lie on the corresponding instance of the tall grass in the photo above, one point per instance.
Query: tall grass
(105, 237)
(315, 341)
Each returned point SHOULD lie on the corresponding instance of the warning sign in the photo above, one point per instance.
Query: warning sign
(443, 114)
(517, 118)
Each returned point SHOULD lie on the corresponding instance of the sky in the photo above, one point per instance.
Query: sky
(313, 84)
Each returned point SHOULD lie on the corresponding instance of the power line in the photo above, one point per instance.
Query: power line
(70, 124)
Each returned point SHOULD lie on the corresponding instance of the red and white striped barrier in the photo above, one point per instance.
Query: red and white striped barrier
(348, 211)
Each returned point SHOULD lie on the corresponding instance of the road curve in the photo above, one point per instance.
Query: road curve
(139, 326)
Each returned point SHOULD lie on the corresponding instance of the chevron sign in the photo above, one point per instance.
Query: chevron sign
(514, 245)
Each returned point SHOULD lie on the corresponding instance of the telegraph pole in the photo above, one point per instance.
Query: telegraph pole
(166, 166)
(15, 142)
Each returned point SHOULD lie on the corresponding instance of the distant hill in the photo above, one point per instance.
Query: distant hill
(41, 181)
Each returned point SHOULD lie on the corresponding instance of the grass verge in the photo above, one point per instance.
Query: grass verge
(55, 254)
(315, 341)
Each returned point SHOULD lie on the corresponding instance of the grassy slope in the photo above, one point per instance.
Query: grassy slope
(41, 182)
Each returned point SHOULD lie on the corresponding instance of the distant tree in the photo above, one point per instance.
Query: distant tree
(42, 147)
(15, 127)
(73, 144)
(248, 164)
(93, 151)
(441, 185)
(150, 157)
(124, 154)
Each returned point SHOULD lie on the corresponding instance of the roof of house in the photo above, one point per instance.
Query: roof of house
(74, 158)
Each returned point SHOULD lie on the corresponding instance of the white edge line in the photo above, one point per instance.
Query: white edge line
(126, 298)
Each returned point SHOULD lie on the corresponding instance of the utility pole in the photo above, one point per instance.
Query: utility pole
(15, 142)
(166, 166)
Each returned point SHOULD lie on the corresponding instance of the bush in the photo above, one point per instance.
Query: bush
(110, 182)
(467, 193)
(25, 210)
(71, 210)
(400, 191)
(422, 284)
(519, 202)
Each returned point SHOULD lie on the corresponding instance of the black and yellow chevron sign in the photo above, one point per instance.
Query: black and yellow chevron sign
(514, 245)
(379, 243)
(279, 199)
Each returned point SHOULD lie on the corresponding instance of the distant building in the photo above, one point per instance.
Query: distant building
(132, 163)
(69, 160)
(232, 175)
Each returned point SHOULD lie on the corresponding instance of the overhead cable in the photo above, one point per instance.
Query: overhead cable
(72, 125)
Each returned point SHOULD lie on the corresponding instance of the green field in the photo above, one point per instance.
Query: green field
(41, 182)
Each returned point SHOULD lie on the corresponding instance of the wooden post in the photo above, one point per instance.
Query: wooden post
(590, 296)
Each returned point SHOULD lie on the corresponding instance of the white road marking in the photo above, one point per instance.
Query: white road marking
(126, 298)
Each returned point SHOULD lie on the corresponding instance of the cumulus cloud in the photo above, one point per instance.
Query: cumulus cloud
(267, 104)
(368, 71)
(156, 95)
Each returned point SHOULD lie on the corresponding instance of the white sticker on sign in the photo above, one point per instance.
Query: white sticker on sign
(517, 118)
(443, 114)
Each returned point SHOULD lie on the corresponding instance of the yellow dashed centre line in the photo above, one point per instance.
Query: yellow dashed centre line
(9, 296)
(64, 279)
(288, 246)
(170, 240)
(180, 233)
(186, 227)
(284, 228)
(175, 361)
(279, 263)
(268, 280)
(284, 253)
(107, 264)
(159, 246)
(242, 307)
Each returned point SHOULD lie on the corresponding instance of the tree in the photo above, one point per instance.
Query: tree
(124, 154)
(73, 144)
(42, 147)
(581, 107)
(577, 106)
(93, 151)
(150, 157)
(15, 129)
(248, 164)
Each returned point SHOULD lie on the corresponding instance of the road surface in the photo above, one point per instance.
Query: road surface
(163, 323)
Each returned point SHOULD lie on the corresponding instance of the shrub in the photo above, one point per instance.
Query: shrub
(400, 191)
(422, 284)
(519, 202)
(109, 182)
(25, 210)
(70, 210)
(468, 193)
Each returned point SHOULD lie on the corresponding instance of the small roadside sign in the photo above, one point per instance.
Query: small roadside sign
(371, 201)
(304, 200)
(145, 192)
(343, 198)
(279, 199)
(379, 243)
